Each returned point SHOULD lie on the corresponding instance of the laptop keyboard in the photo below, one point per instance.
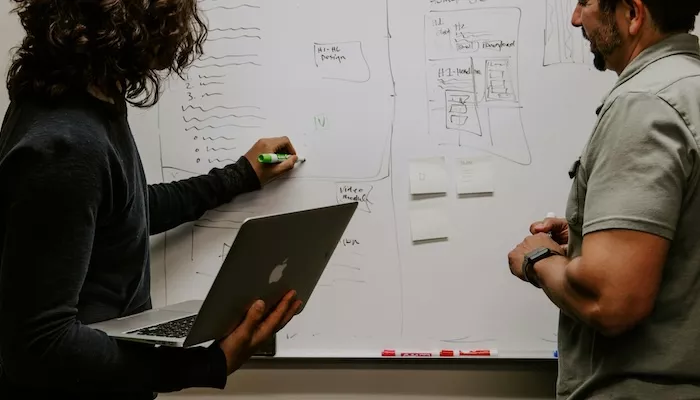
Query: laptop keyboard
(178, 328)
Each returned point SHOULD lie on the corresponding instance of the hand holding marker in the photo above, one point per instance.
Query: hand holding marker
(273, 158)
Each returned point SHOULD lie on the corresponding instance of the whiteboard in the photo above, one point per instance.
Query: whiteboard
(487, 102)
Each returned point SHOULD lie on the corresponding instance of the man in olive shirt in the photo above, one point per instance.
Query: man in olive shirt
(624, 266)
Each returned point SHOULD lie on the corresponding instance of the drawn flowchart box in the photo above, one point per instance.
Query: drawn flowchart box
(341, 61)
(472, 80)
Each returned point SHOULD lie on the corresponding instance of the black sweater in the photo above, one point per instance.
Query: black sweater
(75, 218)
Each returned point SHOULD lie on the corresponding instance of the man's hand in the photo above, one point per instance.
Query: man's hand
(268, 172)
(558, 227)
(242, 343)
(517, 255)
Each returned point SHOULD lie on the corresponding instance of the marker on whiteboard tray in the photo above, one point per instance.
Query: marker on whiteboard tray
(408, 354)
(273, 158)
(479, 353)
(470, 353)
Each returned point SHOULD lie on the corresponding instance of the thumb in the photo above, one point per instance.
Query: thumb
(286, 165)
(541, 227)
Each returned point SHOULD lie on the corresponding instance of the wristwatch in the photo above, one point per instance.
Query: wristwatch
(531, 259)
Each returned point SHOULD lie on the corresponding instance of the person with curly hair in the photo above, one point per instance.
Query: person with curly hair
(76, 211)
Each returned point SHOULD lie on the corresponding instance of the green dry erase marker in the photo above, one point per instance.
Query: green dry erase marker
(273, 158)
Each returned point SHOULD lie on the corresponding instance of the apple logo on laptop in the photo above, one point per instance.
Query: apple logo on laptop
(277, 272)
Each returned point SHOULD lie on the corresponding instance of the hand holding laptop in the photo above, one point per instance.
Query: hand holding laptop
(243, 342)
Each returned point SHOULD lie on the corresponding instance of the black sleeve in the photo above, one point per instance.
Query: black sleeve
(50, 209)
(172, 204)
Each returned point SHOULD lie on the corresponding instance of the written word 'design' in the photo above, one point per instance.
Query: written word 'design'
(341, 61)
(354, 192)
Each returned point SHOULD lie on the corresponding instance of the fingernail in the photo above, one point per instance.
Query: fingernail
(259, 305)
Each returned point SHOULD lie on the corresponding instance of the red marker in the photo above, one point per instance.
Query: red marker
(410, 354)
(478, 353)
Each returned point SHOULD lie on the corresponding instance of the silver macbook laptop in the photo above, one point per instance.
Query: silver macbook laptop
(270, 256)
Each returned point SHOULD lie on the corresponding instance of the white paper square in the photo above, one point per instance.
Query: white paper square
(428, 175)
(429, 220)
(475, 175)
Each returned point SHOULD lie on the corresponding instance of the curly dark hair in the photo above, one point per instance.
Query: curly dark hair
(116, 46)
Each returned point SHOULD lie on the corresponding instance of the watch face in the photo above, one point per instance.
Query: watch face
(538, 253)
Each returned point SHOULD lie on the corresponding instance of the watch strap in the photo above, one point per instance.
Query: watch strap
(531, 259)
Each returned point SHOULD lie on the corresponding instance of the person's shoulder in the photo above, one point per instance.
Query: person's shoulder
(54, 145)
(61, 132)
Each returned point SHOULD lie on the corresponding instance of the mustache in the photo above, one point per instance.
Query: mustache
(583, 32)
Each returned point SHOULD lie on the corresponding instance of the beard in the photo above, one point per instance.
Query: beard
(604, 41)
(599, 61)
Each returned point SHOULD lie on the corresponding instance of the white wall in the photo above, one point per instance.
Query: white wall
(348, 384)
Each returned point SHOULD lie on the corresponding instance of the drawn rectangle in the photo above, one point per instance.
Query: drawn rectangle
(472, 79)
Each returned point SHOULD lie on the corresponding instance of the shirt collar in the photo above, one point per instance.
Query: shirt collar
(682, 43)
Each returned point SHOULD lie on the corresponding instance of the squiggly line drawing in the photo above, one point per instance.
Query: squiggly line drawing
(214, 108)
(202, 128)
(236, 37)
(230, 8)
(219, 117)
(220, 148)
(234, 29)
(212, 160)
(217, 138)
(226, 65)
(227, 56)
(211, 76)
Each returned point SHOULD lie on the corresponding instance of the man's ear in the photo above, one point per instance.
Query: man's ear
(635, 14)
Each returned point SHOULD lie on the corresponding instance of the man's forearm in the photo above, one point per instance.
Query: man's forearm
(569, 296)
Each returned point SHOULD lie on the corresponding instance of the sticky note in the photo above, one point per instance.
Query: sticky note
(475, 175)
(429, 220)
(428, 175)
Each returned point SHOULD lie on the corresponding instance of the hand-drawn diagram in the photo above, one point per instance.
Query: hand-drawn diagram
(472, 72)
(256, 80)
(342, 61)
(564, 43)
(355, 192)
